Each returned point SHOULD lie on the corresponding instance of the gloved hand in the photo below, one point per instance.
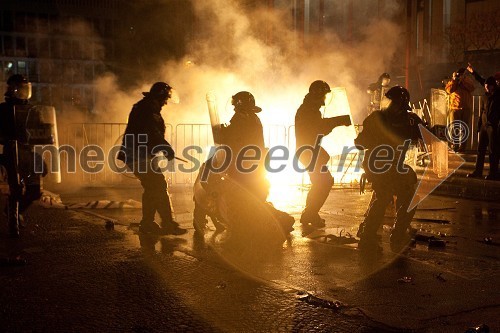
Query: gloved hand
(170, 154)
(344, 120)
(167, 151)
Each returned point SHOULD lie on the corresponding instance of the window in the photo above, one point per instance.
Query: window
(32, 47)
(89, 73)
(32, 71)
(45, 73)
(21, 68)
(8, 45)
(20, 22)
(21, 47)
(8, 21)
(44, 50)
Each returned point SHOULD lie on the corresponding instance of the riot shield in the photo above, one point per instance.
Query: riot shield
(439, 107)
(37, 125)
(214, 116)
(342, 136)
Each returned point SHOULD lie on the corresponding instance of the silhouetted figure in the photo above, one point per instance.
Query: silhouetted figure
(377, 92)
(146, 129)
(389, 132)
(237, 198)
(310, 128)
(489, 132)
(460, 89)
(17, 157)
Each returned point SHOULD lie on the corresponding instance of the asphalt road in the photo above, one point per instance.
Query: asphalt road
(82, 277)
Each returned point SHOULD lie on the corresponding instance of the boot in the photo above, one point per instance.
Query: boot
(13, 218)
(369, 245)
(173, 228)
(151, 228)
(312, 219)
(400, 240)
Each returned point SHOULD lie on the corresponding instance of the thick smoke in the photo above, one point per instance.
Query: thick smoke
(256, 49)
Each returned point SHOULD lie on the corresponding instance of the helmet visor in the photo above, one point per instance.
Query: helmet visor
(173, 96)
(23, 91)
(328, 98)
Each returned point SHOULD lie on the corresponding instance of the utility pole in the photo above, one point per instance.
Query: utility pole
(408, 43)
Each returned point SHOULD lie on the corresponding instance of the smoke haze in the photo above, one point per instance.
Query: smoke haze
(256, 49)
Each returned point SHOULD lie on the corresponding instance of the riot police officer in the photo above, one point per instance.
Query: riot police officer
(146, 129)
(310, 128)
(243, 193)
(17, 157)
(377, 92)
(385, 138)
(245, 130)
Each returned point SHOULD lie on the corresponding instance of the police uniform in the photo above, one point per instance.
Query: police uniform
(24, 183)
(381, 129)
(146, 128)
(310, 128)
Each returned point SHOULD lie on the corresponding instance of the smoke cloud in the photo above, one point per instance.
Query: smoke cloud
(256, 49)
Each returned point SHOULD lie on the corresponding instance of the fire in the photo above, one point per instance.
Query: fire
(344, 163)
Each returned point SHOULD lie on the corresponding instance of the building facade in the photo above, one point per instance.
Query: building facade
(62, 46)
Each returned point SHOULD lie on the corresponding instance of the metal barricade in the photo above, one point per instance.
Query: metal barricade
(77, 136)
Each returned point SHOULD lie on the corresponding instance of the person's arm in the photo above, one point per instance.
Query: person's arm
(328, 124)
(476, 75)
(156, 137)
(451, 86)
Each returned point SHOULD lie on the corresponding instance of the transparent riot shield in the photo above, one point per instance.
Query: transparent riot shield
(439, 107)
(341, 136)
(37, 125)
(439, 158)
(214, 116)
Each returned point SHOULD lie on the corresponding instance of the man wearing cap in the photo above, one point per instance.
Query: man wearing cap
(310, 128)
(144, 138)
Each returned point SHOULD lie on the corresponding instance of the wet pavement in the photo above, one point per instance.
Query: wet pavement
(80, 275)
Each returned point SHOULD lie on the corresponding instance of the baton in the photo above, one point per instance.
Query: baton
(180, 159)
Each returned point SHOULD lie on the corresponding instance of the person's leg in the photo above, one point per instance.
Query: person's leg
(321, 184)
(483, 143)
(405, 190)
(382, 197)
(493, 152)
(31, 194)
(148, 206)
(466, 132)
(15, 192)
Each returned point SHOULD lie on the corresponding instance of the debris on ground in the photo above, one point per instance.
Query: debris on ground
(316, 301)
(440, 277)
(405, 279)
(428, 220)
(109, 225)
(12, 262)
(437, 243)
(483, 328)
(221, 285)
(435, 208)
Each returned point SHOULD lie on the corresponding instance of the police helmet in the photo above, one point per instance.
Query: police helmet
(159, 90)
(18, 87)
(384, 76)
(244, 101)
(319, 88)
(400, 95)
